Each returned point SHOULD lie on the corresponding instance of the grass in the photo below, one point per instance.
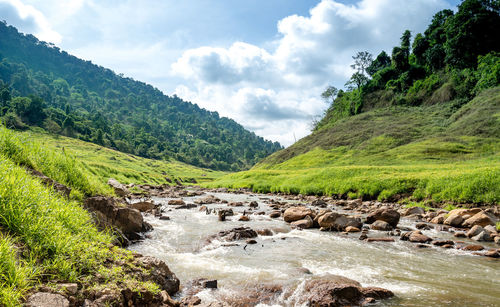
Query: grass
(439, 153)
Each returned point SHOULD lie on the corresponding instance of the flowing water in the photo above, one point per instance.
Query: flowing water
(418, 277)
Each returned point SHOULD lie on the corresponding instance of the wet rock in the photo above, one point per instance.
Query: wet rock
(497, 239)
(474, 231)
(235, 234)
(415, 236)
(473, 248)
(439, 219)
(275, 214)
(481, 219)
(176, 202)
(251, 241)
(423, 226)
(482, 236)
(209, 199)
(380, 240)
(443, 242)
(186, 206)
(159, 273)
(143, 206)
(352, 229)
(119, 188)
(235, 204)
(459, 234)
(388, 215)
(381, 225)
(164, 218)
(265, 232)
(43, 299)
(297, 213)
(305, 223)
(190, 301)
(363, 236)
(253, 204)
(336, 290)
(244, 218)
(413, 210)
(319, 203)
(339, 222)
(493, 253)
(210, 284)
(454, 220)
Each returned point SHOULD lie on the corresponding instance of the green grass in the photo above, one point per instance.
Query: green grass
(438, 153)
(104, 163)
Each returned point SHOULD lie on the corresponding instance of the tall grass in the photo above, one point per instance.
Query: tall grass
(23, 149)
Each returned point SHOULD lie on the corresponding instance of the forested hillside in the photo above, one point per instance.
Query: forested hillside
(41, 85)
(421, 124)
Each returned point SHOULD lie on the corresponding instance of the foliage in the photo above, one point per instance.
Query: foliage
(40, 85)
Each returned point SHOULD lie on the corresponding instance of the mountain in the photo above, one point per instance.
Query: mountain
(422, 125)
(44, 86)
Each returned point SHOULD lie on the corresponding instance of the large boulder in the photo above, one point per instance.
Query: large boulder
(143, 206)
(120, 189)
(297, 213)
(481, 219)
(413, 210)
(234, 234)
(159, 273)
(334, 290)
(109, 213)
(305, 223)
(339, 222)
(388, 215)
(381, 225)
(454, 220)
(327, 219)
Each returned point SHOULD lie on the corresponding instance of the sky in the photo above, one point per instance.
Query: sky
(263, 63)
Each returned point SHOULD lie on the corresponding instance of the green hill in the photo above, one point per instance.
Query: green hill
(41, 85)
(422, 124)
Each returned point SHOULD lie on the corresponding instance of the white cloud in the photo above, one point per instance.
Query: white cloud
(273, 92)
(29, 19)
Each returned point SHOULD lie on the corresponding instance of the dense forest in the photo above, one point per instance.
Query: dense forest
(456, 57)
(41, 85)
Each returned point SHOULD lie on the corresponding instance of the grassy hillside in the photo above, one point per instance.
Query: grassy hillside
(438, 152)
(45, 238)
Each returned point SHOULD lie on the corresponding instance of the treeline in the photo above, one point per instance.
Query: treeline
(456, 57)
(41, 85)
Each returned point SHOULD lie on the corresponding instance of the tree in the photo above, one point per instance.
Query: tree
(362, 60)
(420, 47)
(329, 94)
(357, 79)
(382, 61)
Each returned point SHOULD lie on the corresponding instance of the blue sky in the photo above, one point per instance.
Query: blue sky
(263, 63)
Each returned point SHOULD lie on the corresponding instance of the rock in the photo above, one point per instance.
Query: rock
(491, 229)
(176, 202)
(339, 222)
(381, 225)
(334, 290)
(209, 199)
(164, 218)
(186, 206)
(473, 248)
(497, 239)
(69, 288)
(413, 210)
(493, 253)
(481, 219)
(159, 273)
(108, 213)
(190, 301)
(244, 218)
(251, 241)
(352, 229)
(483, 236)
(319, 203)
(235, 204)
(390, 216)
(43, 299)
(459, 234)
(265, 232)
(464, 212)
(253, 204)
(305, 223)
(210, 284)
(423, 226)
(363, 236)
(143, 206)
(297, 213)
(119, 188)
(474, 231)
(61, 188)
(235, 234)
(439, 219)
(454, 220)
(327, 219)
(380, 240)
(275, 214)
(443, 242)
(415, 236)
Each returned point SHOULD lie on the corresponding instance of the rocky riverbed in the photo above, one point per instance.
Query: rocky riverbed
(246, 249)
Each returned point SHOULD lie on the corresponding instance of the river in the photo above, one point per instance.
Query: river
(418, 277)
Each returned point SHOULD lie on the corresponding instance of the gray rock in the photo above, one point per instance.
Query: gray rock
(381, 225)
(43, 299)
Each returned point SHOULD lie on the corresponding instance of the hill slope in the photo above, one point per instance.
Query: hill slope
(432, 152)
(86, 101)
